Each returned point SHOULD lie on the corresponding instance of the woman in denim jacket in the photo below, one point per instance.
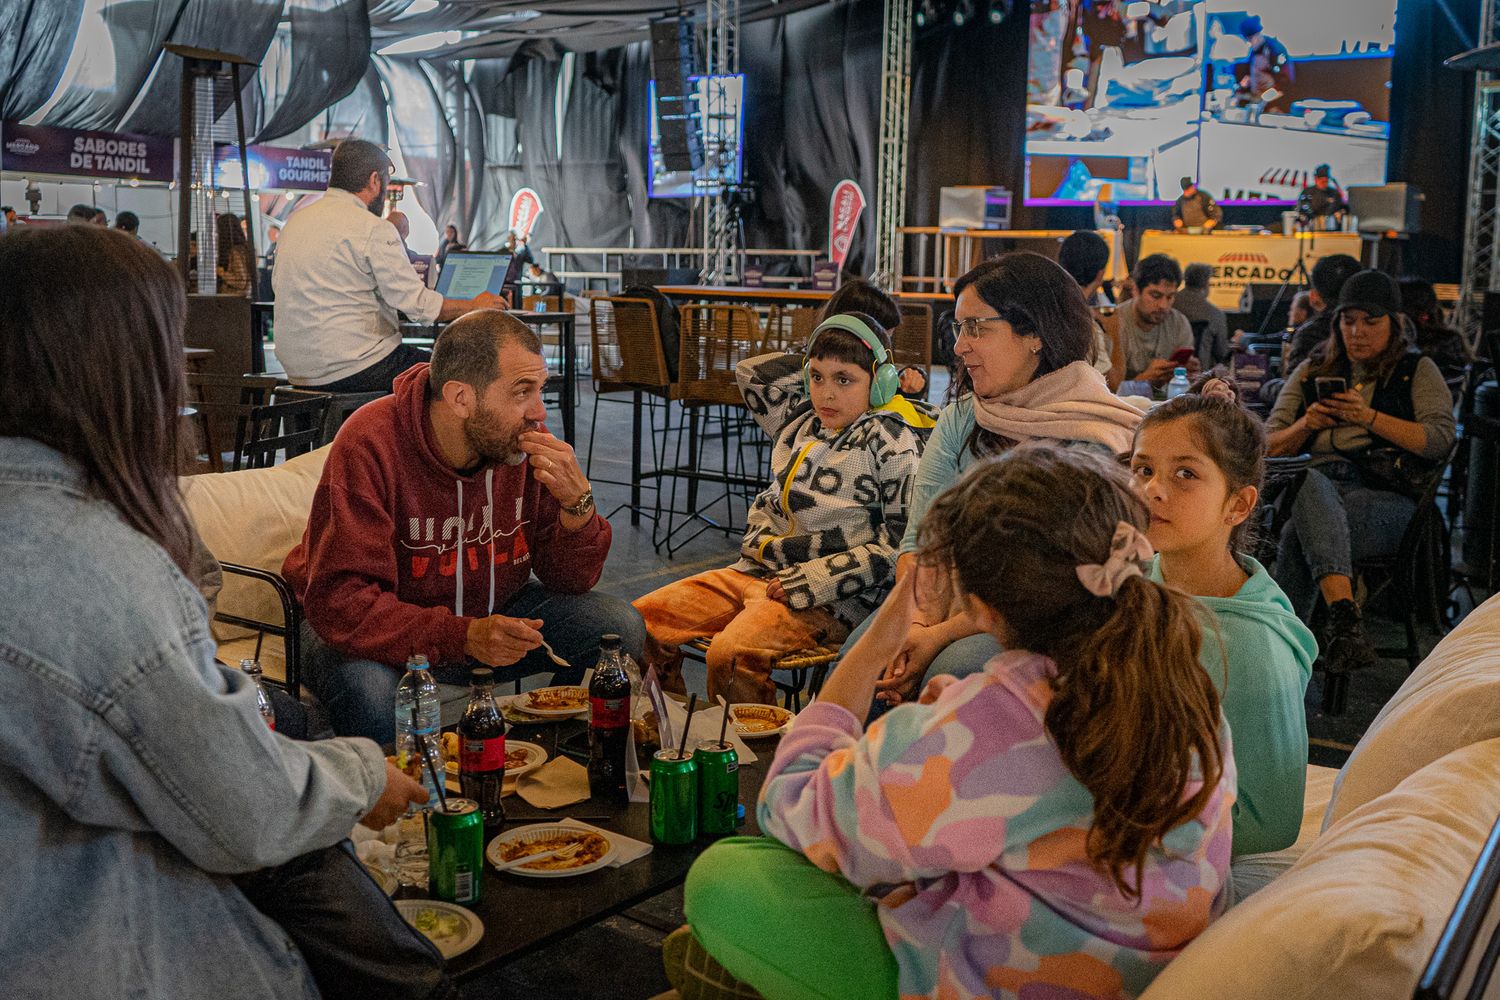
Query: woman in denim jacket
(136, 776)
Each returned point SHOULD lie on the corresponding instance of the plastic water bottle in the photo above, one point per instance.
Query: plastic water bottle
(1179, 383)
(262, 696)
(417, 720)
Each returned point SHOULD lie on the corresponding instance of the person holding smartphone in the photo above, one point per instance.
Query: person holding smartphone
(1376, 417)
(1153, 334)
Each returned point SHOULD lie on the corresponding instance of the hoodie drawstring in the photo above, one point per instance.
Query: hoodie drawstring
(489, 489)
(458, 566)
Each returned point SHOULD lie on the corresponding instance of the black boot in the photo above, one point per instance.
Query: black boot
(1345, 648)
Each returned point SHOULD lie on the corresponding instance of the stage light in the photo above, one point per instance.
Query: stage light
(999, 10)
(963, 12)
(926, 13)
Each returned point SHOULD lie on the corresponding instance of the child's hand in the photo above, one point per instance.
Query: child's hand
(775, 591)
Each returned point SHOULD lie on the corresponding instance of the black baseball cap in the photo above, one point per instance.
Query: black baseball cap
(1374, 292)
(1322, 170)
(1187, 182)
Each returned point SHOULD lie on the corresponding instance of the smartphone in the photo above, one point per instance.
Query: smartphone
(1183, 355)
(1328, 386)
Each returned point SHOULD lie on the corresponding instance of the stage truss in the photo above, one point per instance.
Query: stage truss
(1481, 232)
(721, 230)
(895, 125)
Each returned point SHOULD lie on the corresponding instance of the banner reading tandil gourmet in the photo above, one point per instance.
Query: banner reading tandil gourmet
(274, 168)
(525, 206)
(1240, 259)
(42, 149)
(844, 207)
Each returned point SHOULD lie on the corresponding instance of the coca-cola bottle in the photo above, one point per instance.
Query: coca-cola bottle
(609, 722)
(262, 696)
(481, 748)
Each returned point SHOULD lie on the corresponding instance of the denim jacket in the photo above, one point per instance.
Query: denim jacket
(136, 776)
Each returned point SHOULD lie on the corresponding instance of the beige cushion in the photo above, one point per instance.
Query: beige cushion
(253, 517)
(272, 653)
(1359, 914)
(1451, 700)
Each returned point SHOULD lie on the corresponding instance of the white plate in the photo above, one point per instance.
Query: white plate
(470, 928)
(540, 831)
(535, 758)
(734, 719)
(522, 701)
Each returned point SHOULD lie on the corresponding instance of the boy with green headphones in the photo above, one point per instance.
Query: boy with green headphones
(819, 550)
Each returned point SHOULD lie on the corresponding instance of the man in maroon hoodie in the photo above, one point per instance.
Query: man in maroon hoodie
(435, 509)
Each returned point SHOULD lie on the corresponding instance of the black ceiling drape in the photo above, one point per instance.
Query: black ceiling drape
(1431, 111)
(362, 113)
(36, 37)
(330, 45)
(245, 30)
(137, 29)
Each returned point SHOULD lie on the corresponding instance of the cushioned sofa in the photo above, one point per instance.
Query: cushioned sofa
(1386, 847)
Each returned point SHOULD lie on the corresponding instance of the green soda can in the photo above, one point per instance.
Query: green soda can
(455, 851)
(718, 787)
(674, 797)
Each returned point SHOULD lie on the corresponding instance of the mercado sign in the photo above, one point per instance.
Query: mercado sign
(274, 168)
(1242, 259)
(43, 149)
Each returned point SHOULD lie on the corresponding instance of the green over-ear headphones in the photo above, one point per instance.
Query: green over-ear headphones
(884, 380)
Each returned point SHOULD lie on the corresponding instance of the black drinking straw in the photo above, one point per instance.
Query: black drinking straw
(692, 707)
(724, 726)
(442, 793)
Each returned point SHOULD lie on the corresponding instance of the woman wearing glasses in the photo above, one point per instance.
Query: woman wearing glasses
(1023, 337)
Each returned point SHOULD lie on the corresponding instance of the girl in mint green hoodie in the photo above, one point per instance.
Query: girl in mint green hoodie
(1198, 461)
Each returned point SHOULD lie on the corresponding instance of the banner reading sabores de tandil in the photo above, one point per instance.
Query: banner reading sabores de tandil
(1240, 259)
(43, 149)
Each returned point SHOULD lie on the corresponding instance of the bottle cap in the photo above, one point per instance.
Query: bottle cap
(1179, 373)
(610, 641)
(482, 675)
(416, 661)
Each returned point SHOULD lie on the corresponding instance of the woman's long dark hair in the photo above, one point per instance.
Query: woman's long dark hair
(91, 365)
(231, 238)
(1038, 299)
(1336, 358)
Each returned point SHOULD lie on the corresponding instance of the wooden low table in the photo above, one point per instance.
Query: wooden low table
(522, 915)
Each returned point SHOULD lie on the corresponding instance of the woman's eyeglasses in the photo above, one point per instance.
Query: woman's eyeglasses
(970, 327)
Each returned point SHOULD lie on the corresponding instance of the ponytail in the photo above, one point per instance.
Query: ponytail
(1136, 721)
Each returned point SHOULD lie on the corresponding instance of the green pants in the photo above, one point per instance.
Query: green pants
(785, 926)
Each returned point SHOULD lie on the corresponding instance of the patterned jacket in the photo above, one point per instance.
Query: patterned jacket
(964, 822)
(830, 524)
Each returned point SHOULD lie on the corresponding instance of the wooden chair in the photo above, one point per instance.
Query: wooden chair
(625, 335)
(290, 424)
(223, 404)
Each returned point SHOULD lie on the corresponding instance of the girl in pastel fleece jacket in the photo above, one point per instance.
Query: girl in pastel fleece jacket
(1199, 462)
(1057, 825)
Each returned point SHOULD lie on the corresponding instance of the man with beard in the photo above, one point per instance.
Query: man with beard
(450, 523)
(341, 277)
(1155, 337)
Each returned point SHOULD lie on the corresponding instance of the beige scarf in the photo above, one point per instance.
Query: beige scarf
(1070, 404)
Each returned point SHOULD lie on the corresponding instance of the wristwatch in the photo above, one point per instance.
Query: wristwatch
(583, 506)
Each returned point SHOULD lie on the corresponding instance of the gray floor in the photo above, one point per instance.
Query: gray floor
(628, 947)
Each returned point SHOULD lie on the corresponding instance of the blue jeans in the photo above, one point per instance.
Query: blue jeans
(1317, 541)
(360, 695)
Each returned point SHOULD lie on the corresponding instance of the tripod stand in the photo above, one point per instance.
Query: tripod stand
(1302, 228)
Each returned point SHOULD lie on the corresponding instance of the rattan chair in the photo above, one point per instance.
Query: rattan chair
(714, 339)
(789, 328)
(911, 341)
(625, 335)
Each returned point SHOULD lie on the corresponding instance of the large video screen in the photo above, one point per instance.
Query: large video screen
(1126, 98)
